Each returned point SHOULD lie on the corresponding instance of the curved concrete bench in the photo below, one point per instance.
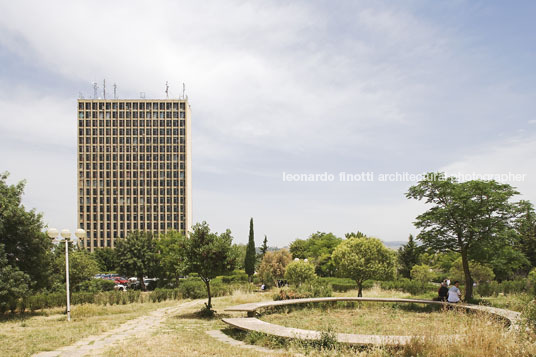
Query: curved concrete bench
(253, 324)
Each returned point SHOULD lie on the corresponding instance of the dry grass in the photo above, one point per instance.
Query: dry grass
(50, 329)
(374, 319)
(185, 334)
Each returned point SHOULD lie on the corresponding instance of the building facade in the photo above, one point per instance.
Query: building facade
(134, 168)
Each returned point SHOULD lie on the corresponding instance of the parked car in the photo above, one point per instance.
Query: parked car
(150, 283)
(120, 287)
(121, 280)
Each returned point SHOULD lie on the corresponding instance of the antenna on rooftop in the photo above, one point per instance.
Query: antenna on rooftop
(104, 88)
(167, 90)
(115, 91)
(142, 95)
(183, 89)
(95, 88)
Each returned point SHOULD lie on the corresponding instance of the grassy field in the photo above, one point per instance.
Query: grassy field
(375, 318)
(49, 329)
(184, 333)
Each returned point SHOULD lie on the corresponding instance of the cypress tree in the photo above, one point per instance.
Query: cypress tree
(249, 261)
(264, 247)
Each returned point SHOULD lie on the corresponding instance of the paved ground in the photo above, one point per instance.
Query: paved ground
(142, 325)
(220, 336)
(251, 323)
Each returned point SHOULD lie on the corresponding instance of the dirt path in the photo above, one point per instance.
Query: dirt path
(137, 327)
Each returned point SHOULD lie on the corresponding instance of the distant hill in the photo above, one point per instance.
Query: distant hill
(395, 244)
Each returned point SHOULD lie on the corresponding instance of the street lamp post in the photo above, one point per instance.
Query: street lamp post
(66, 235)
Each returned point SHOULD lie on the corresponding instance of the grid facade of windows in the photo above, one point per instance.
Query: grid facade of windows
(134, 168)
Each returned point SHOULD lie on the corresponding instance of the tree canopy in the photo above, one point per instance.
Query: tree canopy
(14, 283)
(136, 255)
(273, 266)
(408, 256)
(364, 258)
(318, 249)
(171, 265)
(465, 217)
(26, 247)
(299, 272)
(208, 254)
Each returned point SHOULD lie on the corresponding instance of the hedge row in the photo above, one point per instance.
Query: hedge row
(188, 289)
(494, 288)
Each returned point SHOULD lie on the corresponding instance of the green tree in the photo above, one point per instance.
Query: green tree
(422, 273)
(525, 226)
(273, 266)
(171, 265)
(251, 255)
(208, 254)
(14, 283)
(264, 247)
(136, 255)
(465, 217)
(106, 259)
(318, 249)
(82, 266)
(299, 272)
(364, 258)
(479, 272)
(240, 253)
(408, 256)
(27, 248)
(357, 234)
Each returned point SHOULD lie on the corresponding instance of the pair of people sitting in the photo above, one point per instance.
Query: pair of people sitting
(452, 294)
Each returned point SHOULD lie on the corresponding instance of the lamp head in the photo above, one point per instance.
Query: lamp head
(66, 234)
(80, 233)
(52, 233)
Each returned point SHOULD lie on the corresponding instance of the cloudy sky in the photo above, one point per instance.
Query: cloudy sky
(278, 88)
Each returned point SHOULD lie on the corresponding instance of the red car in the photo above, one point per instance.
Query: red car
(120, 280)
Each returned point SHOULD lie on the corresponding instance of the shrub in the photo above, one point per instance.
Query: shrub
(299, 272)
(235, 277)
(289, 294)
(529, 315)
(96, 285)
(82, 298)
(315, 289)
(406, 285)
(488, 289)
(193, 289)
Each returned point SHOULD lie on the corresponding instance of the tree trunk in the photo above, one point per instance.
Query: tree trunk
(359, 289)
(467, 275)
(209, 305)
(142, 283)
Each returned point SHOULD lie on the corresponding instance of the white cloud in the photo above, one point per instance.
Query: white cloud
(272, 85)
(514, 155)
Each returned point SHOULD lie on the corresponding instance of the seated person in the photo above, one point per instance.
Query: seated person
(443, 291)
(454, 293)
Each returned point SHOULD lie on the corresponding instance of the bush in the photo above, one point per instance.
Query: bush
(315, 289)
(96, 285)
(164, 294)
(235, 277)
(345, 284)
(289, 294)
(299, 272)
(82, 298)
(529, 315)
(192, 289)
(514, 286)
(409, 286)
(491, 288)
